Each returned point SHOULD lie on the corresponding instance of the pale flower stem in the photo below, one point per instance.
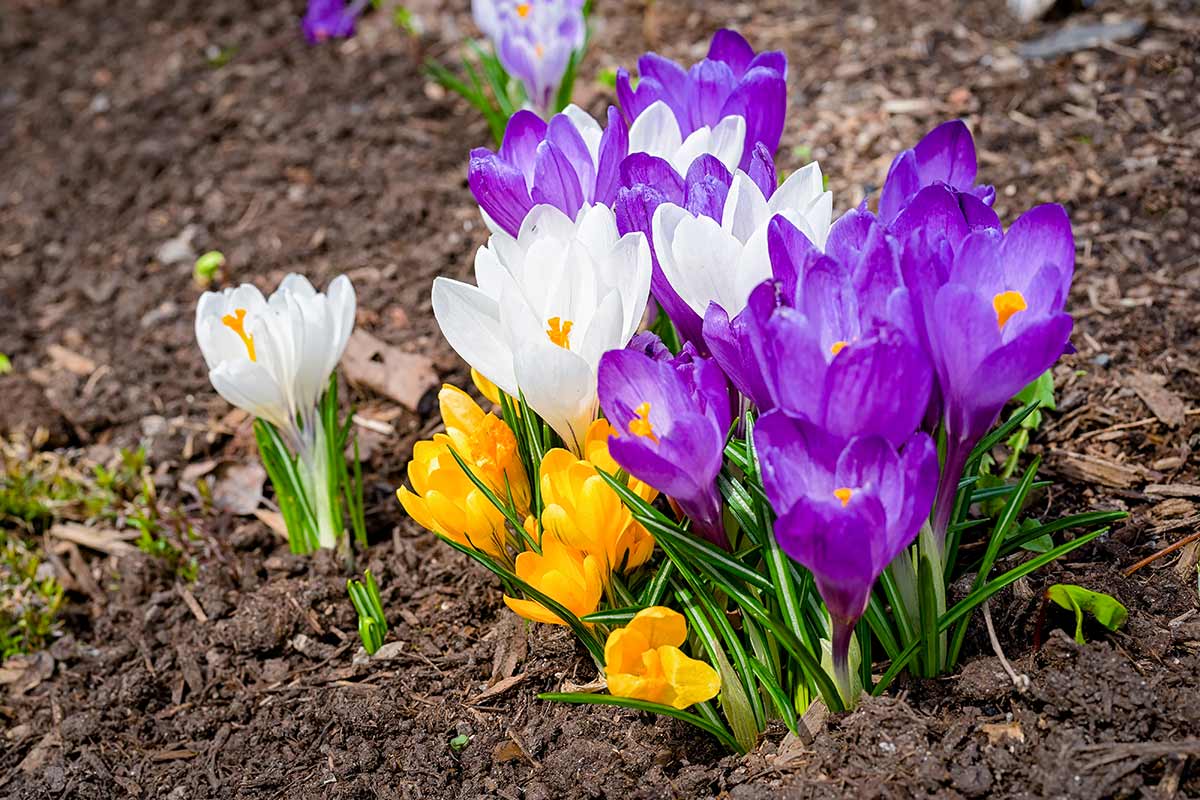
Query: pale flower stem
(314, 463)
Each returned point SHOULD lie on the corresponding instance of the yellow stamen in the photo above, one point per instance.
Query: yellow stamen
(523, 10)
(843, 494)
(837, 347)
(236, 322)
(538, 50)
(1007, 304)
(641, 425)
(559, 331)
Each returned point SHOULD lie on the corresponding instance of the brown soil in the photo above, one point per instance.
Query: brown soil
(116, 134)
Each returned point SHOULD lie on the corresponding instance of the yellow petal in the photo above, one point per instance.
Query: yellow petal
(623, 651)
(486, 387)
(459, 411)
(691, 681)
(639, 687)
(660, 626)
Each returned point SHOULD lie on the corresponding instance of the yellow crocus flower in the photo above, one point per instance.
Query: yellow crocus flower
(583, 511)
(564, 574)
(643, 661)
(443, 498)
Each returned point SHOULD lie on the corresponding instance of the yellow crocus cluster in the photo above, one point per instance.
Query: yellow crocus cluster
(587, 532)
(643, 661)
(444, 499)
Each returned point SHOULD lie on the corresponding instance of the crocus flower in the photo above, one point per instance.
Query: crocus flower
(721, 258)
(586, 513)
(993, 326)
(643, 661)
(731, 81)
(564, 574)
(273, 358)
(330, 19)
(671, 419)
(534, 40)
(846, 509)
(826, 320)
(568, 163)
(945, 156)
(548, 304)
(444, 499)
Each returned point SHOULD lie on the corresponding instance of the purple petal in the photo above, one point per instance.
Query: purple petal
(1041, 236)
(525, 131)
(762, 170)
(643, 168)
(761, 97)
(936, 212)
(614, 146)
(902, 182)
(500, 189)
(947, 154)
(563, 134)
(555, 182)
(710, 83)
(731, 48)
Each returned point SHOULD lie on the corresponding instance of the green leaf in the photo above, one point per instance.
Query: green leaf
(581, 698)
(5, 364)
(372, 625)
(1040, 391)
(607, 77)
(1105, 608)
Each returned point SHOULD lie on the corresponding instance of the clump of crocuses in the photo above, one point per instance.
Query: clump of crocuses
(789, 455)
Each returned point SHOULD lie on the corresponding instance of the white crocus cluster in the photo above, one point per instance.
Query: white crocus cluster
(656, 131)
(707, 261)
(547, 305)
(272, 358)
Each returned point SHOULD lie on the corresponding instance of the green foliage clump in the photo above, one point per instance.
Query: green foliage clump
(30, 598)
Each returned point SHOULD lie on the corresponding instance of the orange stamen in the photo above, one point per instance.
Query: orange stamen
(523, 10)
(641, 425)
(1007, 304)
(837, 347)
(559, 331)
(236, 322)
(843, 494)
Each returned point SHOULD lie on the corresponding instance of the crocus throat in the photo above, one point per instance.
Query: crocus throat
(236, 322)
(492, 443)
(1007, 304)
(844, 494)
(640, 425)
(559, 331)
(837, 347)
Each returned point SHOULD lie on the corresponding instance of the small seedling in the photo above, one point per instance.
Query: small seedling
(1106, 609)
(372, 625)
(208, 266)
(5, 364)
(460, 742)
(30, 598)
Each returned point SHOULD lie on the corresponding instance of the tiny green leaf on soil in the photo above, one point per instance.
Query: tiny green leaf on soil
(1106, 609)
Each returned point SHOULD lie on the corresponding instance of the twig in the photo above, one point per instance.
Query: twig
(1184, 542)
(1021, 681)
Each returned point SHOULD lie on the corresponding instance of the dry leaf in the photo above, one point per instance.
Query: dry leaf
(22, 673)
(1173, 489)
(1002, 732)
(238, 488)
(380, 367)
(105, 540)
(511, 648)
(389, 651)
(1162, 402)
(273, 520)
(499, 688)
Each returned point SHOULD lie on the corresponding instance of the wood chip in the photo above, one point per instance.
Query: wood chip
(193, 605)
(1093, 469)
(173, 755)
(273, 520)
(1003, 732)
(1162, 402)
(71, 361)
(1173, 489)
(497, 689)
(104, 540)
(380, 367)
(238, 488)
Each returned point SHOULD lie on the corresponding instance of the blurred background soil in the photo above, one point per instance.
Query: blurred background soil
(136, 135)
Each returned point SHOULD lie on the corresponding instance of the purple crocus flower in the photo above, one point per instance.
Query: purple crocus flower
(946, 156)
(846, 509)
(566, 163)
(534, 40)
(671, 417)
(991, 314)
(731, 81)
(827, 320)
(330, 19)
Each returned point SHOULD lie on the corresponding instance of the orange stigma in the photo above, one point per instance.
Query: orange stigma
(538, 50)
(640, 426)
(1007, 304)
(838, 347)
(523, 10)
(236, 322)
(844, 495)
(559, 331)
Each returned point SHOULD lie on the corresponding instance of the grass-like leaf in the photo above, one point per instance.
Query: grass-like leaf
(580, 698)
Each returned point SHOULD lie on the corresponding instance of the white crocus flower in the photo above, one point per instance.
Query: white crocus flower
(548, 304)
(273, 358)
(707, 261)
(656, 131)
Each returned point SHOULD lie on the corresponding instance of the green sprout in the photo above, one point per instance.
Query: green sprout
(607, 77)
(372, 625)
(30, 598)
(1106, 609)
(5, 364)
(460, 742)
(207, 267)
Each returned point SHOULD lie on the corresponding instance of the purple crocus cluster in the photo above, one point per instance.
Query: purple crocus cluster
(330, 19)
(853, 344)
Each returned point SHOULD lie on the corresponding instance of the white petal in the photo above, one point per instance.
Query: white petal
(705, 259)
(745, 208)
(728, 139)
(560, 386)
(753, 267)
(800, 189)
(588, 128)
(251, 388)
(656, 132)
(470, 321)
(605, 330)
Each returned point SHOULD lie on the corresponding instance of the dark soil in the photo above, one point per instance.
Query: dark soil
(117, 133)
